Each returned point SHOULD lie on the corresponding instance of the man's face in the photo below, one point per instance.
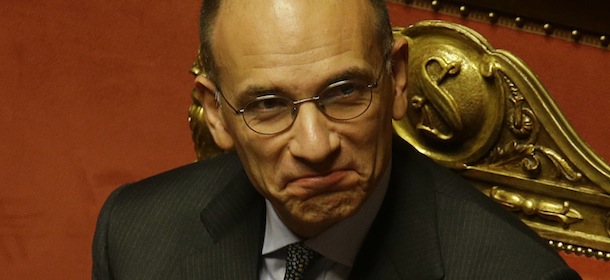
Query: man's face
(319, 171)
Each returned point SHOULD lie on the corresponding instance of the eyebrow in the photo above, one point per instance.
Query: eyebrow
(251, 92)
(349, 73)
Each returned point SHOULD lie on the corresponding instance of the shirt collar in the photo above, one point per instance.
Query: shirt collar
(341, 242)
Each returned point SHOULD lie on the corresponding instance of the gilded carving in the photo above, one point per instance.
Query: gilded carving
(560, 212)
(522, 122)
(528, 156)
(440, 117)
(523, 125)
(456, 103)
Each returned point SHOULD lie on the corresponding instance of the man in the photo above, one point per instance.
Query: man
(304, 92)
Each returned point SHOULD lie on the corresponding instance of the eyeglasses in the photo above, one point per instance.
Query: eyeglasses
(272, 114)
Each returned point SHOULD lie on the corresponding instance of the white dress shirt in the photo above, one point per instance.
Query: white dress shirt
(339, 245)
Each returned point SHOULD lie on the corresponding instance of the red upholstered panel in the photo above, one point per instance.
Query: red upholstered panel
(575, 75)
(93, 94)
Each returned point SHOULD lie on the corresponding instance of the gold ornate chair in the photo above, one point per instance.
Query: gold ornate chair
(483, 113)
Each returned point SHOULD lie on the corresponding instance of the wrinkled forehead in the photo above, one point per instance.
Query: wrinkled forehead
(291, 27)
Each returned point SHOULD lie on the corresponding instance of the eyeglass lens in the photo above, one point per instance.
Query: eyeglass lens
(342, 100)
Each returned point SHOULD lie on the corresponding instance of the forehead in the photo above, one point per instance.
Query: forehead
(291, 37)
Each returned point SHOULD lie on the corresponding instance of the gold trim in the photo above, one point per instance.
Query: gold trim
(579, 251)
(560, 212)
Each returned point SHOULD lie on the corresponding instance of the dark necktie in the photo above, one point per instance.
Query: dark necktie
(298, 259)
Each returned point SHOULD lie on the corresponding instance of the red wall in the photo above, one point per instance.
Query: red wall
(94, 94)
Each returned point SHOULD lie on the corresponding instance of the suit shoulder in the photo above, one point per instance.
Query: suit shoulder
(476, 231)
(477, 236)
(451, 188)
(145, 226)
(173, 195)
(204, 177)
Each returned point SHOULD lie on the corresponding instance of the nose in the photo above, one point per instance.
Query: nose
(312, 138)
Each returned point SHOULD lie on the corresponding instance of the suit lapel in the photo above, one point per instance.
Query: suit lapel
(403, 241)
(234, 220)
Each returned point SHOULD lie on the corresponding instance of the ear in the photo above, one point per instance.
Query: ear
(206, 91)
(400, 71)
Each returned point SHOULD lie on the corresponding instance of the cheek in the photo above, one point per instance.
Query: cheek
(373, 128)
(371, 142)
(261, 157)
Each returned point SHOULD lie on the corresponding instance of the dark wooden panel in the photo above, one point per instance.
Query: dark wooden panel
(591, 15)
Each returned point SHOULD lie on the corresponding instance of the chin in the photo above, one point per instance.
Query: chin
(331, 208)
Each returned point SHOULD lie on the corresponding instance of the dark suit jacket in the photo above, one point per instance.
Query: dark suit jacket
(206, 221)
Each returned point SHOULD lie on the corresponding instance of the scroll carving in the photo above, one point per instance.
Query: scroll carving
(563, 213)
(522, 122)
(528, 155)
(523, 125)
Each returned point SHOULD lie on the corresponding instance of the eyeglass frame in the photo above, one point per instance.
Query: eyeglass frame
(296, 104)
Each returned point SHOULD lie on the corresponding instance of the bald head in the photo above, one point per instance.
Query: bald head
(259, 13)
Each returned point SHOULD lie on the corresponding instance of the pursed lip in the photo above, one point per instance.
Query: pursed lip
(312, 184)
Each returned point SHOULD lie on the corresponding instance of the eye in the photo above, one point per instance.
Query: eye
(346, 88)
(268, 104)
(344, 91)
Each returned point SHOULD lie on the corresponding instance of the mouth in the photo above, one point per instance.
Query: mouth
(311, 185)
